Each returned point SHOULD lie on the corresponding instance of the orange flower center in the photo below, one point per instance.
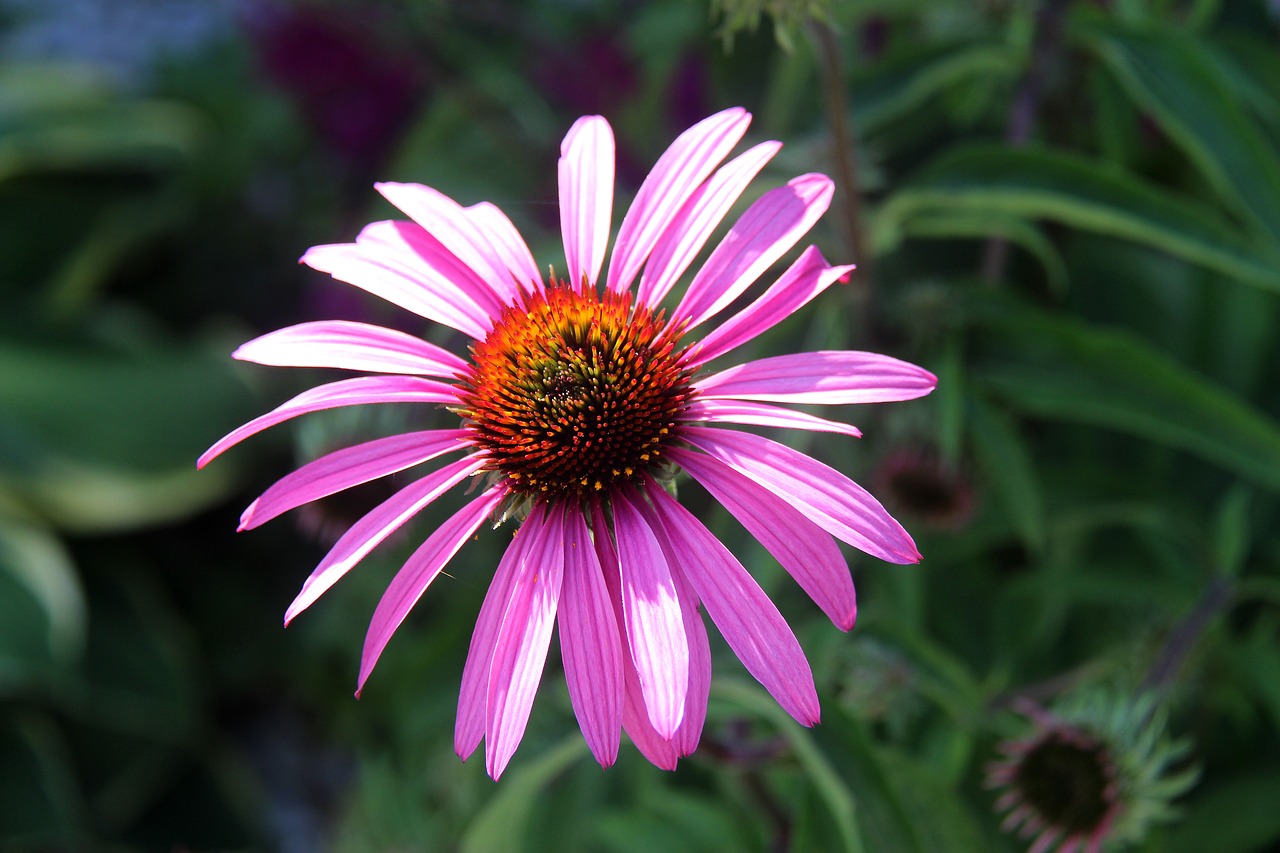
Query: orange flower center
(572, 392)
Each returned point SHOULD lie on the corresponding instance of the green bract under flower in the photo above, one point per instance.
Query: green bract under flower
(1095, 771)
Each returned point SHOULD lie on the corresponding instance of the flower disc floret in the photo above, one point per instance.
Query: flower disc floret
(573, 391)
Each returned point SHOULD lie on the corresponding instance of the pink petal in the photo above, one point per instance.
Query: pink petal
(401, 263)
(509, 247)
(586, 197)
(695, 706)
(377, 525)
(808, 554)
(701, 214)
(825, 378)
(802, 281)
(349, 467)
(823, 495)
(635, 719)
(590, 644)
(348, 392)
(750, 623)
(448, 222)
(763, 234)
(469, 728)
(417, 574)
(760, 414)
(651, 614)
(351, 346)
(676, 175)
(521, 650)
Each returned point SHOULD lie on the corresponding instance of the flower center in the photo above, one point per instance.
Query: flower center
(1068, 782)
(572, 392)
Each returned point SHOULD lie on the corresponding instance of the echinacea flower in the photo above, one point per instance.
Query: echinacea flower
(579, 400)
(1093, 773)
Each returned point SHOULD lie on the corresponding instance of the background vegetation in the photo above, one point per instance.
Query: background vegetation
(1069, 210)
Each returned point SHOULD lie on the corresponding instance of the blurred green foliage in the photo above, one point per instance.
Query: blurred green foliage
(1071, 213)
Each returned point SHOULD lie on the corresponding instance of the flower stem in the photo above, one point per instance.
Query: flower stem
(1045, 46)
(844, 148)
(1217, 595)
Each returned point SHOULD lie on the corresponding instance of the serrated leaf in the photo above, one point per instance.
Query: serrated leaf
(993, 180)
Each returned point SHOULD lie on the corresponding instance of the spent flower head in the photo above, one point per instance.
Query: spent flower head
(580, 398)
(1094, 773)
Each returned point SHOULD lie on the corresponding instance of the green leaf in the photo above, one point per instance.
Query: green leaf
(498, 827)
(143, 135)
(950, 400)
(1174, 77)
(42, 609)
(813, 760)
(1060, 368)
(1007, 466)
(988, 180)
(903, 83)
(1252, 66)
(98, 440)
(41, 806)
(942, 819)
(934, 225)
(1231, 530)
(1238, 815)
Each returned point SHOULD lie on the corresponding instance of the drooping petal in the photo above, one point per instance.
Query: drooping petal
(769, 228)
(586, 197)
(749, 621)
(654, 624)
(469, 728)
(590, 644)
(377, 525)
(349, 467)
(447, 222)
(351, 346)
(825, 378)
(509, 247)
(424, 279)
(760, 414)
(695, 706)
(661, 752)
(521, 649)
(700, 216)
(808, 553)
(675, 177)
(803, 280)
(416, 575)
(347, 392)
(823, 495)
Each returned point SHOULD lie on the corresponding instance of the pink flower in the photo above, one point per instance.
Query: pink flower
(577, 406)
